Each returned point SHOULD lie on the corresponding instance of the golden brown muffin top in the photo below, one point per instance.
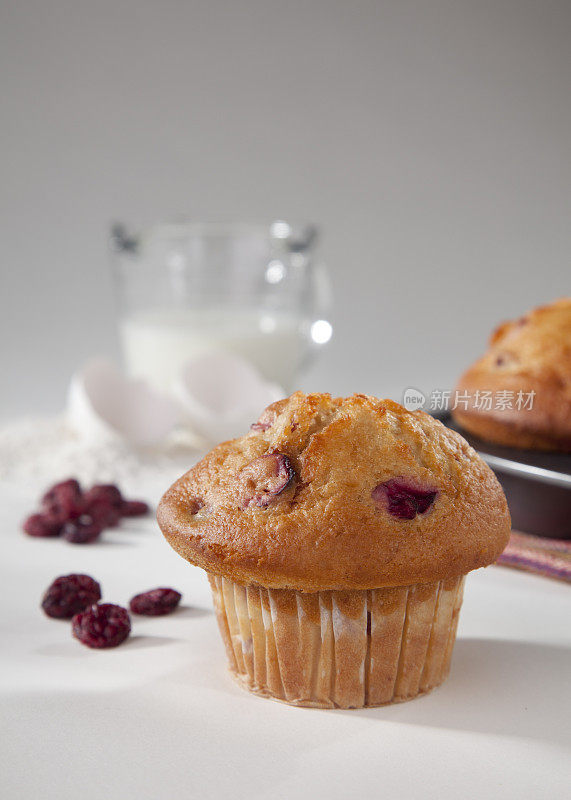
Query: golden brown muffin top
(530, 354)
(345, 493)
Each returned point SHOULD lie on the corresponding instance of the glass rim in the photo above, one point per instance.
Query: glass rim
(277, 229)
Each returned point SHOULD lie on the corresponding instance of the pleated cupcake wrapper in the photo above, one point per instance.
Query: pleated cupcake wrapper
(339, 649)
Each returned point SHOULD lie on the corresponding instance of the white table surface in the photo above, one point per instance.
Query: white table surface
(159, 717)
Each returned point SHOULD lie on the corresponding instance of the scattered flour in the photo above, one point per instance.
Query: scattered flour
(37, 452)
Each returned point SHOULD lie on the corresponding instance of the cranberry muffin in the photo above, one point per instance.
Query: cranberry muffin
(336, 535)
(528, 364)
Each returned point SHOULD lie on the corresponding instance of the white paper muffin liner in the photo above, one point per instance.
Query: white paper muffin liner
(339, 649)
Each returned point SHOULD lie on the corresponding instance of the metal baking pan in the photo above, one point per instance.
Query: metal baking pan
(537, 484)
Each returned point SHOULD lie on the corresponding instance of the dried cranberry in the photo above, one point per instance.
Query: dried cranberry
(267, 477)
(105, 515)
(83, 530)
(155, 602)
(42, 525)
(104, 502)
(63, 501)
(134, 508)
(102, 625)
(107, 492)
(69, 594)
(402, 498)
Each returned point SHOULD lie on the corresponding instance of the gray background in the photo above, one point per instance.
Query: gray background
(430, 140)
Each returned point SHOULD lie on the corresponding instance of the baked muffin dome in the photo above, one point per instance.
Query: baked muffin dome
(323, 494)
(530, 354)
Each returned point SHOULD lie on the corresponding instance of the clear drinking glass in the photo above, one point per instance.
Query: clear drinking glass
(188, 288)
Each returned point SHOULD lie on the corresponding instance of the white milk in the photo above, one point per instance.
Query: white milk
(156, 344)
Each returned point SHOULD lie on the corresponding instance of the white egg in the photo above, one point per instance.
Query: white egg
(222, 394)
(105, 405)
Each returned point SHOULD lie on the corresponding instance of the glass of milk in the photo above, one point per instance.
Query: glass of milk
(190, 288)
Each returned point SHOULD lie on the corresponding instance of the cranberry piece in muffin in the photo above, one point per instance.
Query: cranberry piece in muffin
(402, 498)
(261, 425)
(266, 477)
(265, 421)
(103, 625)
(69, 594)
(195, 504)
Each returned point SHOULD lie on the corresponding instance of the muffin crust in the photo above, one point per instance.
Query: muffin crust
(323, 530)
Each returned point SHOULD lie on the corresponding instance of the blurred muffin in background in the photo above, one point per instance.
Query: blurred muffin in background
(519, 393)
